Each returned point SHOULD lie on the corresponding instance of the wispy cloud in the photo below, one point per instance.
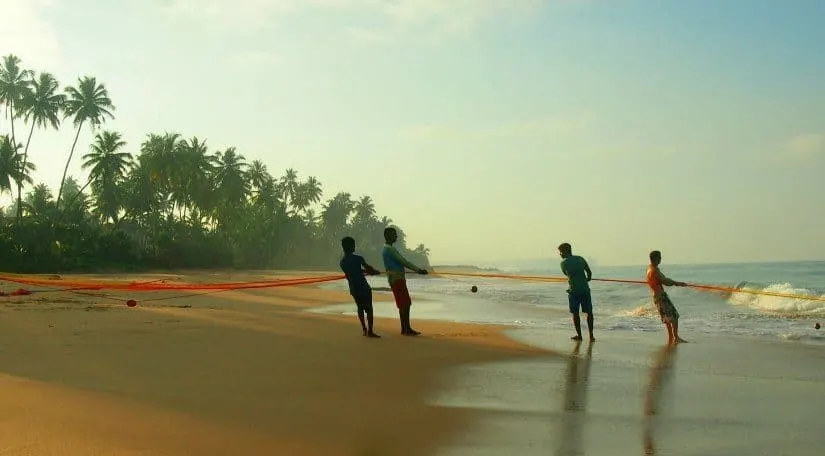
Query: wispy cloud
(26, 33)
(440, 16)
(805, 146)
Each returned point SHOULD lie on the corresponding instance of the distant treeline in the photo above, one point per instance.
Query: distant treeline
(173, 204)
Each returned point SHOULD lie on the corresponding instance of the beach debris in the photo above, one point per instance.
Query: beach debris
(17, 292)
(474, 289)
(131, 303)
(816, 326)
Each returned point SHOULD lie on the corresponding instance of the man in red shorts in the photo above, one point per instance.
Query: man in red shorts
(395, 265)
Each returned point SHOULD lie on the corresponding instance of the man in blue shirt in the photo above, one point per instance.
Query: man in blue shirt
(578, 293)
(395, 265)
(359, 288)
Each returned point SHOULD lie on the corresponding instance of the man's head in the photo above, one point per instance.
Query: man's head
(390, 235)
(348, 244)
(655, 257)
(565, 250)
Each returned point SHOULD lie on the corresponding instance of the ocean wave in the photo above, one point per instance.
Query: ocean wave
(803, 337)
(749, 296)
(644, 310)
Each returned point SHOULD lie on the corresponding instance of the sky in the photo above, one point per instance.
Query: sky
(489, 130)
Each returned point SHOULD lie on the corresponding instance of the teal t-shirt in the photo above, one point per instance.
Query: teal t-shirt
(573, 267)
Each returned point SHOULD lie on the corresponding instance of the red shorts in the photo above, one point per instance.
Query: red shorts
(401, 294)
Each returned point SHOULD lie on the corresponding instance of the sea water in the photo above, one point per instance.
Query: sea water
(624, 308)
(749, 383)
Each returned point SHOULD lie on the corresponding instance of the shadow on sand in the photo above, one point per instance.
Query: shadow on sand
(660, 376)
(575, 400)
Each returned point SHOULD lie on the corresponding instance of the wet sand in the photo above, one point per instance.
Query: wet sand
(241, 372)
(629, 393)
(286, 371)
(632, 394)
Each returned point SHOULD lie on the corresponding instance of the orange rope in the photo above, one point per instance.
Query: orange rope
(70, 285)
(161, 286)
(637, 282)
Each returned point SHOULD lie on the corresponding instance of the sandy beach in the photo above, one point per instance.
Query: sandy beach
(285, 371)
(240, 372)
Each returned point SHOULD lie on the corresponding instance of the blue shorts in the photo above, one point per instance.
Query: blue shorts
(580, 299)
(363, 300)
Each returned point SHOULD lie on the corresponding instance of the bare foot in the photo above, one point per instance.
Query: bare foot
(679, 340)
(373, 335)
(576, 338)
(592, 339)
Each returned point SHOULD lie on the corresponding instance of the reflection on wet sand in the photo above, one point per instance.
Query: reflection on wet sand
(661, 373)
(575, 396)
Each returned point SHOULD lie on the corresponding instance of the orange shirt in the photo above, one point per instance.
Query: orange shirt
(655, 278)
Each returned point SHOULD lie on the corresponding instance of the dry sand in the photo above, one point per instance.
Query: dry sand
(234, 373)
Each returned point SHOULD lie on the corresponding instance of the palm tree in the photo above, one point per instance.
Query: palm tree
(39, 201)
(306, 194)
(161, 157)
(41, 106)
(258, 175)
(11, 169)
(142, 199)
(364, 210)
(231, 183)
(422, 250)
(289, 186)
(8, 157)
(336, 213)
(268, 195)
(364, 221)
(75, 209)
(88, 102)
(108, 166)
(190, 184)
(14, 81)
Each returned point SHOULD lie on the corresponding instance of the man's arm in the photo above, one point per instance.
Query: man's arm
(406, 262)
(587, 271)
(668, 281)
(370, 270)
(564, 270)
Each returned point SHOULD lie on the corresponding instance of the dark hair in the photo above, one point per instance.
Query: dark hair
(565, 248)
(348, 244)
(655, 255)
(388, 231)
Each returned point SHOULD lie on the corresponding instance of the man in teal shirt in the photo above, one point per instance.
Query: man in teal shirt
(395, 265)
(578, 293)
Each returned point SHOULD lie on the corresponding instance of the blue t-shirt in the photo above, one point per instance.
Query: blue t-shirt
(352, 265)
(575, 268)
(394, 263)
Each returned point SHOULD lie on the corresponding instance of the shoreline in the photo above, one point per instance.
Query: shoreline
(594, 398)
(252, 366)
(286, 371)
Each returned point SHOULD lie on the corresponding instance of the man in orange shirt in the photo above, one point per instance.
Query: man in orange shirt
(657, 281)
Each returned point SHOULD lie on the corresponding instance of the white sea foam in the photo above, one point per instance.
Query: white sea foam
(749, 297)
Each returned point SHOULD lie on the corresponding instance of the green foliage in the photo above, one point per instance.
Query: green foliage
(173, 205)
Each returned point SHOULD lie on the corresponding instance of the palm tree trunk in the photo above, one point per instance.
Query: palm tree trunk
(23, 170)
(11, 112)
(66, 168)
(79, 192)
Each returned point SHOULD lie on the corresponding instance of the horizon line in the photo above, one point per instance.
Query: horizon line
(490, 265)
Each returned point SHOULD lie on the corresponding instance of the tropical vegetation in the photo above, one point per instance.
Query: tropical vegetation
(174, 203)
